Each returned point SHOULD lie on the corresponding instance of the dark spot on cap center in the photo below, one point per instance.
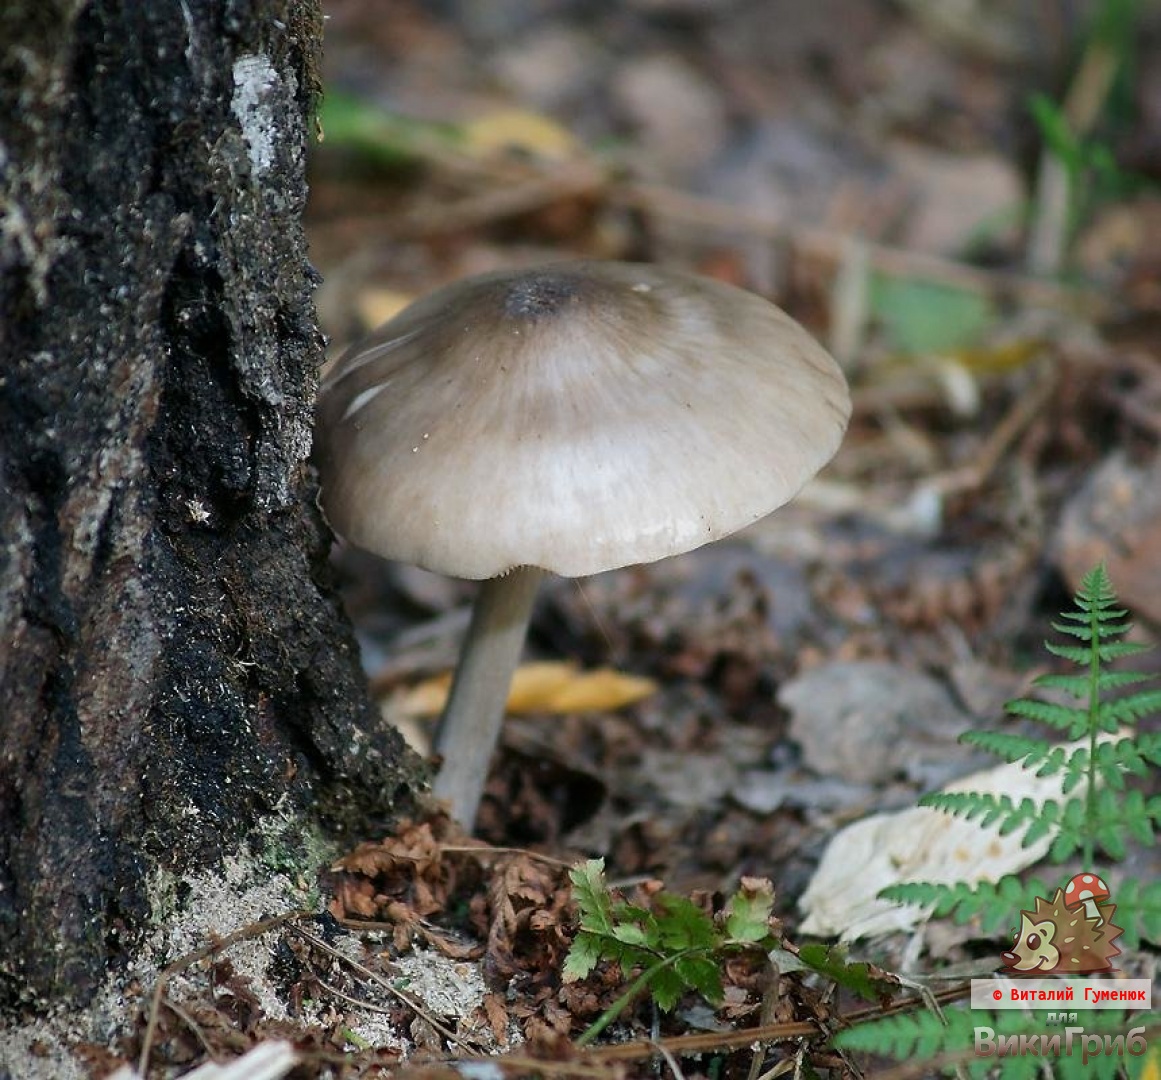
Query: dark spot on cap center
(539, 296)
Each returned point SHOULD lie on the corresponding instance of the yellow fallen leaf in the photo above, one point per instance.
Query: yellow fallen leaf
(999, 358)
(546, 687)
(599, 690)
(375, 306)
(521, 131)
(536, 686)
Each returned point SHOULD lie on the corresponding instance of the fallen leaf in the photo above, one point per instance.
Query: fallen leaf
(546, 687)
(376, 305)
(919, 844)
(520, 131)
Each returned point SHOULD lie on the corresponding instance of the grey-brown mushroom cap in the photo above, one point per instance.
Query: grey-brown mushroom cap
(576, 417)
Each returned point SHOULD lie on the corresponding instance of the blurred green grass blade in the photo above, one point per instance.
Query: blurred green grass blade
(925, 317)
(378, 135)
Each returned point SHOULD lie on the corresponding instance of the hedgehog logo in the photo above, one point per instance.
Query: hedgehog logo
(1073, 933)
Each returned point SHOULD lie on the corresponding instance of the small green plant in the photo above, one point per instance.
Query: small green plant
(1079, 170)
(1097, 711)
(675, 945)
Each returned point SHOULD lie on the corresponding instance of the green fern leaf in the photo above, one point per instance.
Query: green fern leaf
(947, 1043)
(1116, 680)
(1009, 746)
(1073, 653)
(583, 956)
(1075, 686)
(747, 915)
(1083, 631)
(1138, 911)
(683, 925)
(858, 977)
(1149, 746)
(1099, 809)
(1073, 721)
(991, 904)
(592, 896)
(666, 987)
(991, 811)
(701, 973)
(1095, 589)
(1127, 710)
(1072, 830)
(1124, 756)
(1118, 650)
(1104, 626)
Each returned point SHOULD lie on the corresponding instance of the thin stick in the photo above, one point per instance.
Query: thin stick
(244, 933)
(488, 850)
(409, 1000)
(193, 1025)
(831, 244)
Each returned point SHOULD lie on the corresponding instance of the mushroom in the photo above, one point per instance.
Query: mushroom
(1089, 891)
(567, 419)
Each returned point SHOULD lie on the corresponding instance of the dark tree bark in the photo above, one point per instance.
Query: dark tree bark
(172, 664)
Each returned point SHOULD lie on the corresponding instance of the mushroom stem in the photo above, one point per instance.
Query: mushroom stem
(470, 726)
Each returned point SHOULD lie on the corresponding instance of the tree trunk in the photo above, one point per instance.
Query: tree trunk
(173, 665)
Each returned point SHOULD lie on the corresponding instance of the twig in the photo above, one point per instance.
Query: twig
(486, 849)
(350, 999)
(707, 1042)
(831, 245)
(244, 933)
(670, 1060)
(524, 187)
(409, 1000)
(193, 1025)
(520, 197)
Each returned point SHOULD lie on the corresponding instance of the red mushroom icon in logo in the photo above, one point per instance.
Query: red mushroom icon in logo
(1072, 933)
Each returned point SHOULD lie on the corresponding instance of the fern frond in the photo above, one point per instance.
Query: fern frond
(991, 810)
(1127, 710)
(990, 904)
(908, 1035)
(1080, 687)
(1118, 815)
(1073, 653)
(1115, 680)
(1139, 911)
(1098, 813)
(1095, 590)
(1107, 651)
(1128, 755)
(1009, 746)
(1104, 626)
(1149, 747)
(1072, 720)
(1118, 650)
(947, 1043)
